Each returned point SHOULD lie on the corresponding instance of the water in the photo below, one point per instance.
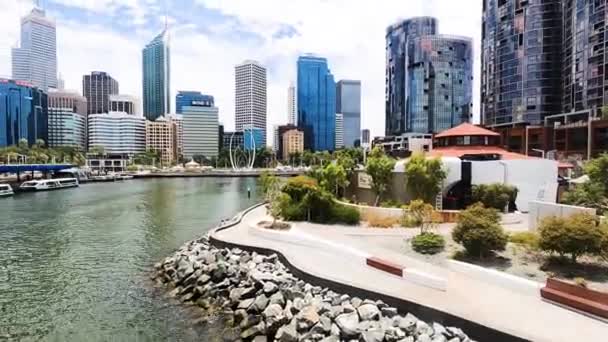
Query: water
(75, 263)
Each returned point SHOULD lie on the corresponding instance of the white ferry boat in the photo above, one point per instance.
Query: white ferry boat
(6, 190)
(49, 184)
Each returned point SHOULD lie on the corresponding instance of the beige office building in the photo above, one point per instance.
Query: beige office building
(293, 141)
(161, 136)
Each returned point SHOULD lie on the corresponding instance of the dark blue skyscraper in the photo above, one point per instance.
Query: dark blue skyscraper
(23, 113)
(316, 103)
(348, 103)
(156, 77)
(191, 98)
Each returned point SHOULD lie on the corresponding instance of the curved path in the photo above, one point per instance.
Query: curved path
(338, 258)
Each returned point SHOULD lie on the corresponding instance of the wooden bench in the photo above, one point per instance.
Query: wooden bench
(385, 266)
(577, 297)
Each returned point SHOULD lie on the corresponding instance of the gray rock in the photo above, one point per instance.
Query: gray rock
(256, 330)
(335, 311)
(439, 338)
(423, 328)
(332, 338)
(270, 288)
(298, 304)
(335, 330)
(307, 318)
(260, 338)
(249, 321)
(455, 339)
(424, 338)
(348, 322)
(274, 316)
(408, 324)
(325, 323)
(356, 302)
(348, 308)
(260, 303)
(246, 303)
(287, 333)
(239, 316)
(393, 334)
(372, 336)
(439, 329)
(389, 312)
(203, 279)
(408, 339)
(368, 312)
(288, 310)
(277, 298)
(235, 294)
(457, 332)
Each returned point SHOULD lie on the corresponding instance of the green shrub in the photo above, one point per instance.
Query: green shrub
(479, 232)
(428, 243)
(575, 235)
(496, 195)
(527, 239)
(391, 204)
(345, 214)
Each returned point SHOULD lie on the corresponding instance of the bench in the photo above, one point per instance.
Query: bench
(385, 266)
(577, 297)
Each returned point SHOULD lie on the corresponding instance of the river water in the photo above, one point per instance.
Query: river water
(75, 263)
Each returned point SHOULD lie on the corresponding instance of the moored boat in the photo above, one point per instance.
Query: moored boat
(49, 184)
(6, 190)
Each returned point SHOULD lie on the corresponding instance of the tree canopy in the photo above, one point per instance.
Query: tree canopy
(380, 168)
(424, 177)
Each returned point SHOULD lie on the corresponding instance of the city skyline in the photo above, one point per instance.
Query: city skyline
(243, 28)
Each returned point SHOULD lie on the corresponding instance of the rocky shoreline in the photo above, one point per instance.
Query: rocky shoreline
(263, 301)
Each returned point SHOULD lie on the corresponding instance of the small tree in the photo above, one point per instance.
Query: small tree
(589, 194)
(380, 167)
(597, 170)
(333, 178)
(575, 235)
(424, 177)
(23, 144)
(424, 213)
(479, 231)
(495, 195)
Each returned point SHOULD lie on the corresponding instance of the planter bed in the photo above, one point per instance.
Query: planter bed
(587, 300)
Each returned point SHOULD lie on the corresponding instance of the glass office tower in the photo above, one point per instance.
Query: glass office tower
(156, 77)
(23, 113)
(439, 83)
(191, 98)
(397, 38)
(521, 54)
(316, 103)
(348, 103)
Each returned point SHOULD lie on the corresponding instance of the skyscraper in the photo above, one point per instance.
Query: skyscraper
(250, 97)
(201, 130)
(521, 53)
(97, 87)
(439, 83)
(429, 78)
(191, 98)
(67, 119)
(117, 133)
(398, 37)
(23, 113)
(291, 104)
(35, 60)
(124, 103)
(316, 103)
(348, 103)
(157, 76)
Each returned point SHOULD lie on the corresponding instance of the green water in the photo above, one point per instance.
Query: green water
(75, 263)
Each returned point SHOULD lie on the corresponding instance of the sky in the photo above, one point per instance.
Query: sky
(209, 37)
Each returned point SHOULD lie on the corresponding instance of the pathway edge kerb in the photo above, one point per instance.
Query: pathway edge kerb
(474, 330)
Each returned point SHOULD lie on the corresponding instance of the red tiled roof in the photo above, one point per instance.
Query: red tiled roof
(466, 129)
(459, 151)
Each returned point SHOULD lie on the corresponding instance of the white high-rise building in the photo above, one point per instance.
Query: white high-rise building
(67, 120)
(291, 105)
(201, 131)
(124, 103)
(250, 97)
(117, 132)
(35, 61)
(339, 130)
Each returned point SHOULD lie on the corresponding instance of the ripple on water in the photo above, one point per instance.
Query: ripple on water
(74, 263)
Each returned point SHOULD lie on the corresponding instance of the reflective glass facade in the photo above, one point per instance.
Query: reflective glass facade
(192, 98)
(316, 103)
(23, 113)
(585, 59)
(253, 138)
(439, 83)
(520, 61)
(397, 37)
(348, 102)
(156, 77)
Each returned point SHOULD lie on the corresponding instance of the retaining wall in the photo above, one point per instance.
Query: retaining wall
(539, 210)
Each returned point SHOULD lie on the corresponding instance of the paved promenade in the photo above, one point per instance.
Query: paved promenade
(493, 306)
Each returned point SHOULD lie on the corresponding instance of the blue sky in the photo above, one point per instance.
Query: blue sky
(209, 37)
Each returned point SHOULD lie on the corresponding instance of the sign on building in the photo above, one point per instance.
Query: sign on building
(364, 180)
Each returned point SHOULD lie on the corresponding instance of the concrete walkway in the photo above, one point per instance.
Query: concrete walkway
(525, 316)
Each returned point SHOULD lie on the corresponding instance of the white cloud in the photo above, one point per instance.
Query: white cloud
(349, 33)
